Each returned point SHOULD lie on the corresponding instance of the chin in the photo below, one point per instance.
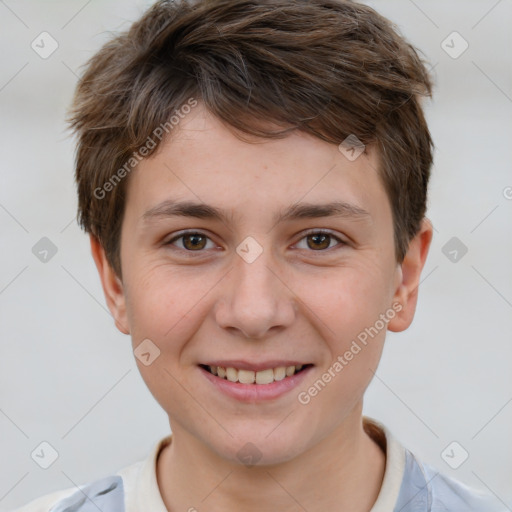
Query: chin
(259, 445)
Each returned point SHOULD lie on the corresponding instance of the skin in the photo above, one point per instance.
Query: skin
(301, 299)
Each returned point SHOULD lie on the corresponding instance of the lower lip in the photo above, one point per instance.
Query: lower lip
(256, 392)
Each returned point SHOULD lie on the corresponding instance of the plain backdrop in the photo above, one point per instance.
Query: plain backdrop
(68, 377)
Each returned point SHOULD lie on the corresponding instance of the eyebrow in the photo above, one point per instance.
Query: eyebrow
(172, 208)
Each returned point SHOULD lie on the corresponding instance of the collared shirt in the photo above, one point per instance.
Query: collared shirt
(409, 485)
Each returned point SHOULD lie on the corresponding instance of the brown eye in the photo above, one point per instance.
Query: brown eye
(320, 240)
(192, 242)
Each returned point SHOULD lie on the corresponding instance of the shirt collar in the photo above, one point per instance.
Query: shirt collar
(395, 464)
(146, 493)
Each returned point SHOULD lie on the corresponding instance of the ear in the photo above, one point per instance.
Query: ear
(112, 286)
(408, 277)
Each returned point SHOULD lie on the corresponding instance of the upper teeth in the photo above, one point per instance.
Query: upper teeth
(250, 376)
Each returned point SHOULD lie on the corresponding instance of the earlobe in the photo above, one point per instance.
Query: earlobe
(408, 277)
(112, 286)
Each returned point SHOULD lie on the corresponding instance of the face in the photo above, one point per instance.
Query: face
(280, 278)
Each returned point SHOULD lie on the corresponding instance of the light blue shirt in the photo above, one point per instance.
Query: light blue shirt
(423, 490)
(409, 485)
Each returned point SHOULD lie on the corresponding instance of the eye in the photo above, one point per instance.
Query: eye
(192, 240)
(320, 240)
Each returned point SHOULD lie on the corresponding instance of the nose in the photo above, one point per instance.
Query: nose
(255, 299)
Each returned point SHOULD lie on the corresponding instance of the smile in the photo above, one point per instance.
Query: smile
(266, 376)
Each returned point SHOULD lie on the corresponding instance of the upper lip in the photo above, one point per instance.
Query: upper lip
(240, 364)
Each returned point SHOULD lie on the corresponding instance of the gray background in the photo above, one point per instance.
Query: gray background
(68, 377)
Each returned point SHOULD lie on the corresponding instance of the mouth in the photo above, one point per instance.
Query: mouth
(255, 377)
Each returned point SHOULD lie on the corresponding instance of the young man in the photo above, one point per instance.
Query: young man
(253, 176)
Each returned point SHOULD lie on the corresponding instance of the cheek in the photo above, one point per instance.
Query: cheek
(161, 303)
(347, 308)
(346, 300)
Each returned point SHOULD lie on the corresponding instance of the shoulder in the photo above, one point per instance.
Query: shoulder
(105, 494)
(120, 492)
(426, 489)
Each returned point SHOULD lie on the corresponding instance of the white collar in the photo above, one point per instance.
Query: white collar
(394, 472)
(143, 493)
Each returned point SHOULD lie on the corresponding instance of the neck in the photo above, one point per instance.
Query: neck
(344, 471)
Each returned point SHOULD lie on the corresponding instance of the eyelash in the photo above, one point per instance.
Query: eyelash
(306, 234)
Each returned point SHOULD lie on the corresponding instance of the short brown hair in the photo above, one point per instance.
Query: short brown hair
(330, 68)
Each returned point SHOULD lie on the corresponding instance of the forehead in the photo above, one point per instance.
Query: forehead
(202, 161)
